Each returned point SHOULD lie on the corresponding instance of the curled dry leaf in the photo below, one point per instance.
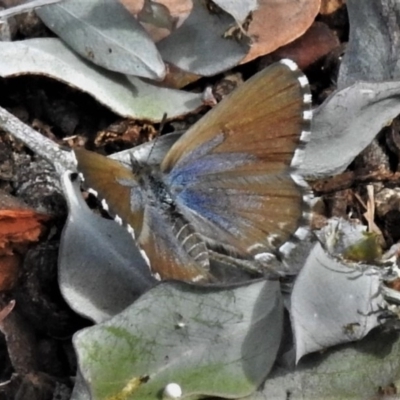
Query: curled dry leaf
(19, 226)
(317, 42)
(276, 23)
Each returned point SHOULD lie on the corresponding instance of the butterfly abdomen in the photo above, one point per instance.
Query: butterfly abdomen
(190, 240)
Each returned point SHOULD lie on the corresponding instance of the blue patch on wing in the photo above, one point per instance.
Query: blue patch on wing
(194, 182)
(200, 162)
(204, 205)
(193, 172)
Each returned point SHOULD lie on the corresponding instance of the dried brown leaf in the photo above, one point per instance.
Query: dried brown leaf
(177, 78)
(19, 225)
(317, 42)
(155, 25)
(278, 22)
(18, 228)
(330, 6)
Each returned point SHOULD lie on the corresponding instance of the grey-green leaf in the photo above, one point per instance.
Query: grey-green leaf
(346, 123)
(333, 302)
(373, 52)
(131, 98)
(202, 45)
(210, 341)
(101, 271)
(354, 371)
(105, 33)
(81, 390)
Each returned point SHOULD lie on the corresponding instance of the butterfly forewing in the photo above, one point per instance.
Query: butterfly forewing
(263, 117)
(231, 172)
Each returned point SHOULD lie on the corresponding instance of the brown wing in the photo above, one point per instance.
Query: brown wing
(104, 175)
(165, 252)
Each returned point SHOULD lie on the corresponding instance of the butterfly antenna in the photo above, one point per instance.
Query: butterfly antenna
(160, 129)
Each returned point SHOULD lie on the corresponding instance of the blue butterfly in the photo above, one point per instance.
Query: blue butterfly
(226, 190)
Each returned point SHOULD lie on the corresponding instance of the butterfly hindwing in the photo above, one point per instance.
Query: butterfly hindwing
(166, 255)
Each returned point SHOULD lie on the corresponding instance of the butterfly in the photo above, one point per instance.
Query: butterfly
(226, 190)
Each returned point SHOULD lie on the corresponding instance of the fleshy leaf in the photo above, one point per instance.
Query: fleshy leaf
(210, 341)
(106, 34)
(130, 98)
(333, 302)
(346, 123)
(372, 53)
(354, 371)
(199, 45)
(101, 271)
(81, 390)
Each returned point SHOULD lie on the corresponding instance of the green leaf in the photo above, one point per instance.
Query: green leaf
(219, 342)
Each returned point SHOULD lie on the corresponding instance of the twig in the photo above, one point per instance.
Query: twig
(349, 179)
(61, 159)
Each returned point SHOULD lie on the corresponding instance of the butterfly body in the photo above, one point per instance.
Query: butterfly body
(227, 187)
